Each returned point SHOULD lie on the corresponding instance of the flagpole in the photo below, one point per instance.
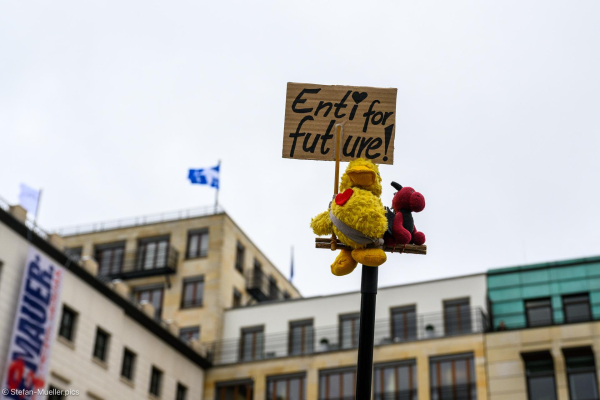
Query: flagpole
(37, 208)
(292, 266)
(217, 192)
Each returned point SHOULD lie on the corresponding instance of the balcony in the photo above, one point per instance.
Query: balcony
(140, 263)
(333, 338)
(261, 288)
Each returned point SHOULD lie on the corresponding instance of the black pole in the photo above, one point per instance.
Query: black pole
(364, 368)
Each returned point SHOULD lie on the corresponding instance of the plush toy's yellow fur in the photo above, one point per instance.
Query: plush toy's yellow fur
(363, 211)
(346, 182)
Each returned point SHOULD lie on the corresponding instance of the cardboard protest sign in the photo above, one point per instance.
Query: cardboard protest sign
(313, 111)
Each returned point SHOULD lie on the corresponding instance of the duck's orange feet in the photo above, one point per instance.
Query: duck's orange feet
(343, 264)
(369, 257)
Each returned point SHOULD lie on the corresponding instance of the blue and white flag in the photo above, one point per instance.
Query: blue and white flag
(29, 198)
(205, 176)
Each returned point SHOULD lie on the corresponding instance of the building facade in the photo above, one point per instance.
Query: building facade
(190, 267)
(429, 344)
(186, 307)
(103, 347)
(545, 340)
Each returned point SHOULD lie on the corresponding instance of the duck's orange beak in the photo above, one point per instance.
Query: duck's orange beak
(361, 176)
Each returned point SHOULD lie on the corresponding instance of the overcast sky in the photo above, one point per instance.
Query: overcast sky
(105, 105)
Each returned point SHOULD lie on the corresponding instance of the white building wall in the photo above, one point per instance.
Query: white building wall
(71, 364)
(427, 297)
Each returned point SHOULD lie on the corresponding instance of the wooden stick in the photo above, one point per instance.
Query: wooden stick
(323, 243)
(336, 183)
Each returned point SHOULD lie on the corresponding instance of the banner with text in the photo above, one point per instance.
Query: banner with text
(31, 341)
(312, 112)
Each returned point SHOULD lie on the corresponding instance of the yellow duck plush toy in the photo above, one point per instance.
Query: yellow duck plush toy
(357, 217)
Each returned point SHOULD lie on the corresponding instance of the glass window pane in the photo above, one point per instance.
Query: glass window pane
(117, 260)
(204, 244)
(446, 373)
(348, 385)
(584, 386)
(188, 294)
(539, 316)
(346, 334)
(281, 390)
(295, 388)
(308, 338)
(296, 339)
(248, 341)
(161, 256)
(403, 378)
(193, 245)
(577, 312)
(465, 319)
(460, 367)
(542, 388)
(334, 386)
(149, 255)
(259, 344)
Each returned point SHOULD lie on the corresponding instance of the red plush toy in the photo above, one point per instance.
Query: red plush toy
(402, 229)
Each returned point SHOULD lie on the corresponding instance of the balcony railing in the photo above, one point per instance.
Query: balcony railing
(260, 287)
(333, 338)
(140, 263)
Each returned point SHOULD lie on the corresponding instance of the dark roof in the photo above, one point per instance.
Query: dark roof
(562, 263)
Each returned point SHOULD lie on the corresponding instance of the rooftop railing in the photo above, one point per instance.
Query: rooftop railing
(140, 220)
(31, 224)
(335, 338)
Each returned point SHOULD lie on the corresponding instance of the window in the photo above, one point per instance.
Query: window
(152, 295)
(152, 253)
(395, 381)
(290, 387)
(581, 373)
(349, 325)
(55, 393)
(273, 290)
(190, 333)
(539, 370)
(252, 343)
(193, 290)
(181, 392)
(577, 308)
(101, 345)
(237, 298)
(127, 367)
(286, 295)
(457, 316)
(74, 253)
(301, 337)
(109, 258)
(404, 323)
(453, 378)
(155, 381)
(539, 312)
(239, 257)
(338, 384)
(235, 391)
(67, 324)
(197, 244)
